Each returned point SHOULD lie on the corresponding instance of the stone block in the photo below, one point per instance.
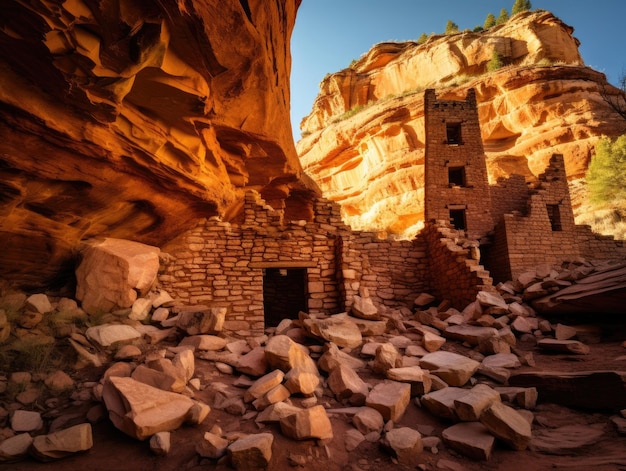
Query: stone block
(390, 398)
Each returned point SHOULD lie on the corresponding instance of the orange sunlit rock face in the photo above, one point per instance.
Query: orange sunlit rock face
(371, 161)
(131, 119)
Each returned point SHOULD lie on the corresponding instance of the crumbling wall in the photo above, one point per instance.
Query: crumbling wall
(454, 265)
(599, 247)
(219, 263)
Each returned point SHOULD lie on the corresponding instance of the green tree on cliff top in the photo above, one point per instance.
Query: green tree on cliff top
(451, 27)
(606, 175)
(489, 21)
(520, 6)
(503, 18)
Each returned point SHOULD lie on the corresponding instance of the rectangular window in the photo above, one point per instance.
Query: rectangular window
(456, 176)
(555, 216)
(453, 133)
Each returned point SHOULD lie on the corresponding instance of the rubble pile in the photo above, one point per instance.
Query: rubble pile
(366, 367)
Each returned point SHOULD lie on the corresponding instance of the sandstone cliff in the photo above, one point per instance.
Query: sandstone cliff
(364, 143)
(129, 119)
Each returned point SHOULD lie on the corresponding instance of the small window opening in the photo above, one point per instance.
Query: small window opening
(555, 217)
(453, 133)
(456, 176)
(457, 218)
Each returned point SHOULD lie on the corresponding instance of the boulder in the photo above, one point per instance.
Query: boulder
(15, 448)
(277, 394)
(251, 453)
(442, 402)
(523, 397)
(470, 406)
(352, 439)
(299, 381)
(345, 383)
(489, 299)
(363, 308)
(390, 398)
(276, 412)
(253, 363)
(112, 272)
(212, 446)
(140, 309)
(454, 369)
(470, 439)
(39, 303)
(333, 357)
(160, 443)
(432, 342)
(419, 379)
(63, 443)
(387, 356)
(106, 335)
(405, 444)
(307, 423)
(283, 353)
(263, 385)
(204, 342)
(140, 410)
(367, 420)
(165, 381)
(185, 365)
(339, 329)
(508, 425)
(26, 421)
(201, 320)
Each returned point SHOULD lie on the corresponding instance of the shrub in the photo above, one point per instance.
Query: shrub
(495, 63)
(606, 174)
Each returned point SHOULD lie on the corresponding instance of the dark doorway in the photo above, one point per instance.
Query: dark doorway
(284, 294)
(457, 218)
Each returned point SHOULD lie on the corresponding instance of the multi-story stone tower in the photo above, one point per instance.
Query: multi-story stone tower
(456, 184)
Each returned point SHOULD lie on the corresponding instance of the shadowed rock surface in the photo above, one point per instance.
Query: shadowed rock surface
(131, 119)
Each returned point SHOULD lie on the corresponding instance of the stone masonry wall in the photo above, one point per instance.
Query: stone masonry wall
(466, 154)
(546, 233)
(454, 265)
(222, 264)
(509, 195)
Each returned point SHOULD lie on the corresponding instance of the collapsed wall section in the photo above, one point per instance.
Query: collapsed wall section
(223, 264)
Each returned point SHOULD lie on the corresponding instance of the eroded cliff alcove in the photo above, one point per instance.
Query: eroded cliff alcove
(363, 141)
(131, 119)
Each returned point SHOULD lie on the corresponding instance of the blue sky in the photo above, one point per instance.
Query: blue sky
(330, 33)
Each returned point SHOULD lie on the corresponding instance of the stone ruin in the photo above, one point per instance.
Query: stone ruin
(305, 322)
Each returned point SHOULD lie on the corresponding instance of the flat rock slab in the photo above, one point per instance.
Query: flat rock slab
(577, 389)
(502, 360)
(106, 335)
(563, 346)
(566, 440)
(508, 425)
(470, 439)
(341, 330)
(471, 334)
(63, 443)
(453, 368)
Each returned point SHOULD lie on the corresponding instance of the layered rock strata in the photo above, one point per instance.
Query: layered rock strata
(363, 142)
(131, 119)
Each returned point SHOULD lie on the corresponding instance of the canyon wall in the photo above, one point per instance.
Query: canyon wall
(363, 142)
(131, 119)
